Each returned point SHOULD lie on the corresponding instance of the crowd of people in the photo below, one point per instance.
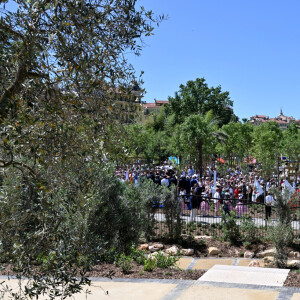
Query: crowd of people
(213, 191)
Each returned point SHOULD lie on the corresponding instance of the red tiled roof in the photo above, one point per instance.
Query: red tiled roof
(162, 101)
(149, 105)
(260, 116)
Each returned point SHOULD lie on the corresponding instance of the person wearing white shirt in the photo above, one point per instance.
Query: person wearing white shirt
(217, 198)
(165, 181)
(269, 202)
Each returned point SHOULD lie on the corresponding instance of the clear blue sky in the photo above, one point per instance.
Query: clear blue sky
(249, 47)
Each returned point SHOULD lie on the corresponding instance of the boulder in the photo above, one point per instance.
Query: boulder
(152, 256)
(156, 247)
(187, 252)
(213, 251)
(172, 250)
(293, 254)
(269, 252)
(293, 263)
(254, 263)
(202, 237)
(248, 254)
(268, 259)
(143, 247)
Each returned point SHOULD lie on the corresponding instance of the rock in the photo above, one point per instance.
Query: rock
(269, 252)
(143, 247)
(213, 251)
(203, 237)
(187, 252)
(254, 263)
(156, 247)
(269, 259)
(173, 250)
(293, 264)
(293, 254)
(248, 254)
(152, 256)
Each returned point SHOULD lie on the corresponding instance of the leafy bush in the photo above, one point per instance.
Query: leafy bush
(125, 263)
(230, 230)
(150, 265)
(150, 195)
(249, 231)
(165, 261)
(137, 255)
(282, 233)
(172, 210)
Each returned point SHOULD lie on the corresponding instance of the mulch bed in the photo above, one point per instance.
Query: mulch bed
(111, 270)
(293, 280)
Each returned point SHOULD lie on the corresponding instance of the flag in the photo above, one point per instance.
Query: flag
(258, 190)
(288, 187)
(215, 181)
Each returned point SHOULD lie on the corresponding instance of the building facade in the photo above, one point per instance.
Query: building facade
(282, 120)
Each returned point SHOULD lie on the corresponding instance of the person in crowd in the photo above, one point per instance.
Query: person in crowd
(217, 199)
(165, 181)
(195, 202)
(268, 205)
(241, 207)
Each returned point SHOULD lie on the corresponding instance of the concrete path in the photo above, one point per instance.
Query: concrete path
(246, 275)
(147, 289)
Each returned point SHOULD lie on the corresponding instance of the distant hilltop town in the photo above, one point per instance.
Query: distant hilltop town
(282, 120)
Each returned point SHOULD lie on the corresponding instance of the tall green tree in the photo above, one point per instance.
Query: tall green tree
(59, 62)
(198, 131)
(197, 97)
(267, 138)
(239, 141)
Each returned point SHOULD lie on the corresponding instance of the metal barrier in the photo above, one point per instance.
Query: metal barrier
(210, 214)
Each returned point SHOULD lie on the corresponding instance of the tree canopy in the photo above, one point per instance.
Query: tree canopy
(60, 63)
(197, 98)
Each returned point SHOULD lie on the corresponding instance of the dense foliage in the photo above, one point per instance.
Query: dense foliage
(61, 206)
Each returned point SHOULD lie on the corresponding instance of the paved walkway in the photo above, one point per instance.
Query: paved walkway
(154, 289)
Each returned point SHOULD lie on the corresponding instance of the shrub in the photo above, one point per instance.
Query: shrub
(249, 231)
(137, 255)
(163, 261)
(149, 265)
(230, 230)
(125, 263)
(282, 233)
(172, 210)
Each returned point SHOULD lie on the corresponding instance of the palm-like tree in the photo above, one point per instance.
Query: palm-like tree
(199, 130)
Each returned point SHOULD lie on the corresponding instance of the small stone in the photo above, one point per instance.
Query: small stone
(293, 254)
(203, 237)
(269, 252)
(213, 251)
(172, 250)
(254, 263)
(248, 254)
(156, 247)
(143, 247)
(269, 259)
(187, 252)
